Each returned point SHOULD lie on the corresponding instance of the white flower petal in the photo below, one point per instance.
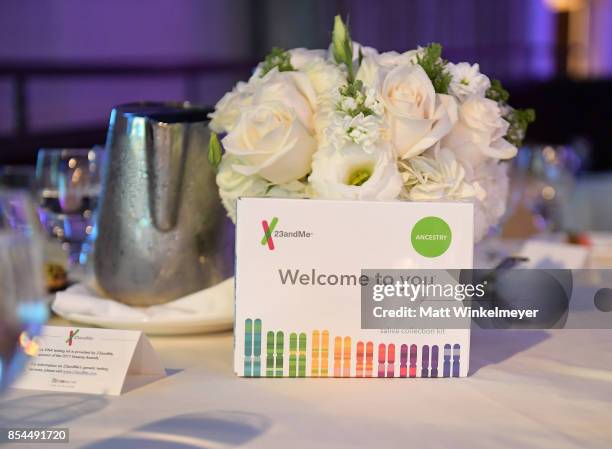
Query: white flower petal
(332, 168)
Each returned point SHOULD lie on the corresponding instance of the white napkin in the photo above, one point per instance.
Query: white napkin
(85, 299)
(549, 255)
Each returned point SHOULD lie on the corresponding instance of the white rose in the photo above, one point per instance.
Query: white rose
(233, 185)
(392, 59)
(227, 110)
(326, 78)
(413, 55)
(271, 141)
(355, 174)
(435, 176)
(418, 117)
(467, 80)
(375, 67)
(293, 89)
(362, 50)
(300, 57)
(478, 135)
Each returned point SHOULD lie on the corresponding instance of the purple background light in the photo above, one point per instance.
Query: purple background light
(513, 40)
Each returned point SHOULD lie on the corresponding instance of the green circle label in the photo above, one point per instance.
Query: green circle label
(431, 237)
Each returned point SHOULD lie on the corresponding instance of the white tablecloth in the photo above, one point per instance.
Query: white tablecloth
(527, 389)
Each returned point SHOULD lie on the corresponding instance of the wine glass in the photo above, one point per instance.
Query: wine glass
(68, 183)
(23, 311)
(542, 177)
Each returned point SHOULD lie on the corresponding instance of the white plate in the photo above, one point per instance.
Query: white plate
(215, 314)
(192, 325)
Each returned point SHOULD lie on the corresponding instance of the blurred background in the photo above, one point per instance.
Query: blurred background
(64, 64)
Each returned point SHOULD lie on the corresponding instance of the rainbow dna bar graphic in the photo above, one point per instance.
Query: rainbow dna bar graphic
(347, 358)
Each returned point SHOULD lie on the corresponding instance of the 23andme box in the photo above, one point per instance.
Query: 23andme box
(299, 265)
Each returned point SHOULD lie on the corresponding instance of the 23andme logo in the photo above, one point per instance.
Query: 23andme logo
(268, 230)
(71, 336)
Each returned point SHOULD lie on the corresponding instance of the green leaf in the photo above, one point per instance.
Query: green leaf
(519, 120)
(214, 150)
(278, 58)
(355, 90)
(497, 92)
(435, 67)
(342, 46)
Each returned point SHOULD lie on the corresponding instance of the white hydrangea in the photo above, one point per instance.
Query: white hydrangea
(373, 102)
(467, 80)
(294, 189)
(436, 176)
(347, 103)
(490, 178)
(358, 119)
(361, 129)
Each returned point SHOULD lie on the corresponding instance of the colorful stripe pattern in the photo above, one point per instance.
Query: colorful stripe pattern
(434, 361)
(315, 357)
(252, 348)
(324, 353)
(425, 361)
(342, 356)
(391, 360)
(257, 348)
(292, 354)
(369, 358)
(248, 347)
(456, 351)
(302, 355)
(382, 359)
(388, 355)
(364, 360)
(404, 361)
(447, 360)
(413, 360)
(274, 354)
(279, 353)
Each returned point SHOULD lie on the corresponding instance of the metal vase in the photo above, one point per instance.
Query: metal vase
(162, 232)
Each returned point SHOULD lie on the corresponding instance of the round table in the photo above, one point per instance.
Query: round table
(527, 389)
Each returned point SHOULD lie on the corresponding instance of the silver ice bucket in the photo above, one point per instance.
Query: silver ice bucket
(162, 232)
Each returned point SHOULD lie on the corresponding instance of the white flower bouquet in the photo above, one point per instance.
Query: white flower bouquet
(352, 123)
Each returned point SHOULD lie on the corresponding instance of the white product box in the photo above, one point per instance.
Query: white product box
(298, 309)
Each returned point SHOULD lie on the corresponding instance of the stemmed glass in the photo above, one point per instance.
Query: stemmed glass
(68, 182)
(22, 308)
(542, 177)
